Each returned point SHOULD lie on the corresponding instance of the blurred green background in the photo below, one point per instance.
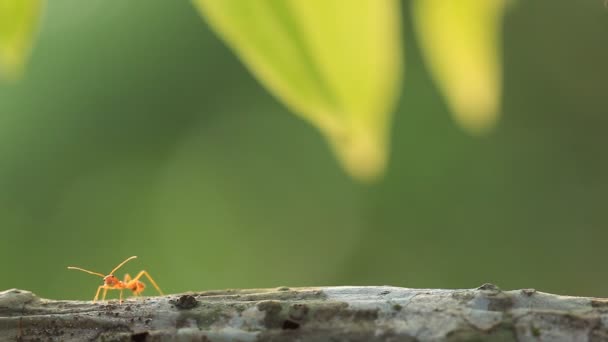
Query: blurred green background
(135, 131)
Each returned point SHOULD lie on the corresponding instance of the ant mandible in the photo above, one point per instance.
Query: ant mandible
(110, 282)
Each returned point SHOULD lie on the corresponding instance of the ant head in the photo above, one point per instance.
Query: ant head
(110, 280)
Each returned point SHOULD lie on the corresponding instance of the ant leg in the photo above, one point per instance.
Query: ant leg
(97, 294)
(105, 292)
(142, 273)
(120, 300)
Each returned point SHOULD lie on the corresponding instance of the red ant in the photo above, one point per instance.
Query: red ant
(110, 282)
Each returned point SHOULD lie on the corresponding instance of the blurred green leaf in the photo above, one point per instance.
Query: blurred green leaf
(461, 42)
(336, 63)
(18, 24)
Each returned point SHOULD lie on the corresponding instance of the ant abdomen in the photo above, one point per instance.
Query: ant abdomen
(138, 287)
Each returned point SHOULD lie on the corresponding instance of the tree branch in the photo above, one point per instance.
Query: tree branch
(310, 314)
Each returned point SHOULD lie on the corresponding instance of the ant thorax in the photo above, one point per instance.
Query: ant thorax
(111, 280)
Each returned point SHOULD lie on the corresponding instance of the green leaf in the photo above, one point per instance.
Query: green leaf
(18, 25)
(336, 63)
(461, 42)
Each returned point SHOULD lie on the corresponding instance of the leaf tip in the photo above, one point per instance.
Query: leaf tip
(362, 153)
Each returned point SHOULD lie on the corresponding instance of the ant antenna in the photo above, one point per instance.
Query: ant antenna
(87, 271)
(122, 263)
(99, 274)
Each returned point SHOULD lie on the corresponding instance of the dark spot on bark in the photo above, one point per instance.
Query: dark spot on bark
(148, 321)
(140, 337)
(329, 311)
(397, 307)
(290, 325)
(186, 302)
(499, 302)
(366, 315)
(269, 306)
(384, 293)
(598, 333)
(128, 308)
(599, 303)
(298, 311)
(116, 314)
(273, 317)
(391, 335)
(528, 292)
(501, 332)
(488, 287)
(283, 288)
(573, 321)
(535, 331)
(238, 307)
(463, 296)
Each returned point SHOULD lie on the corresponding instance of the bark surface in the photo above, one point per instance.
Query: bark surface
(374, 313)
